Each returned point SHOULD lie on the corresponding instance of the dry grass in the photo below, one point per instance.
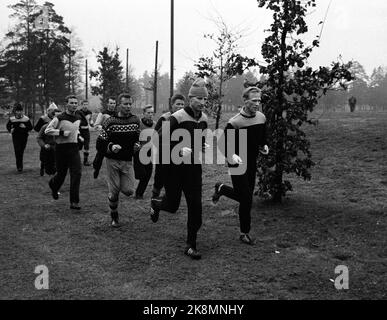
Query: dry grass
(337, 218)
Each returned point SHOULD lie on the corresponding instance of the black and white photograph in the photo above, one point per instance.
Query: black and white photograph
(194, 156)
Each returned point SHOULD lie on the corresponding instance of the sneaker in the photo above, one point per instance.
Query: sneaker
(95, 173)
(216, 195)
(19, 170)
(54, 194)
(154, 212)
(75, 206)
(155, 193)
(245, 238)
(192, 253)
(115, 223)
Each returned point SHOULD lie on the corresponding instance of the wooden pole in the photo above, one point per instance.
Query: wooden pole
(87, 84)
(127, 69)
(155, 79)
(171, 85)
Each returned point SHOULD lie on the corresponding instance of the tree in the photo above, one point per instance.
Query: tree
(290, 91)
(184, 84)
(219, 68)
(33, 61)
(109, 76)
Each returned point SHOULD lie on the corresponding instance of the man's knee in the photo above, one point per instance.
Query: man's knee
(128, 192)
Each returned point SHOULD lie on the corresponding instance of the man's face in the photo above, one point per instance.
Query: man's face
(126, 106)
(111, 106)
(51, 114)
(85, 105)
(148, 113)
(198, 103)
(18, 114)
(177, 105)
(252, 103)
(72, 105)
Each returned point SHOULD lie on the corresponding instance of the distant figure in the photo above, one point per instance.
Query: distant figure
(85, 114)
(352, 103)
(19, 126)
(143, 172)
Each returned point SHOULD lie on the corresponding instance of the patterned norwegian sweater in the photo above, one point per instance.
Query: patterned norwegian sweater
(124, 131)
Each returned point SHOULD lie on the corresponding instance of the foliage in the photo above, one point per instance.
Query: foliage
(109, 76)
(290, 91)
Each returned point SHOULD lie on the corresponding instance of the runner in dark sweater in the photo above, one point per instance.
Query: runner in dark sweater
(117, 142)
(101, 118)
(143, 172)
(19, 126)
(65, 128)
(85, 115)
(177, 103)
(185, 177)
(254, 122)
(43, 121)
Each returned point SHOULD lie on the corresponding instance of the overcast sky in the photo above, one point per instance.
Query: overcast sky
(354, 29)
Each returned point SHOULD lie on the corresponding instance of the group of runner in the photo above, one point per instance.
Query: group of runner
(61, 136)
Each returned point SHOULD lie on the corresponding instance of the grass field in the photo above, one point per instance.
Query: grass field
(337, 218)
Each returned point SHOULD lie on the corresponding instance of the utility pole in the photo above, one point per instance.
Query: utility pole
(171, 85)
(127, 69)
(155, 79)
(70, 63)
(87, 84)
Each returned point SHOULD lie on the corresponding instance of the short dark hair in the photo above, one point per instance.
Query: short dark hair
(122, 96)
(18, 107)
(71, 96)
(177, 96)
(112, 98)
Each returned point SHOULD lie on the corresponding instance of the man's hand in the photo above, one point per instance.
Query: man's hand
(47, 147)
(236, 159)
(185, 151)
(66, 133)
(22, 125)
(264, 150)
(81, 139)
(116, 148)
(136, 147)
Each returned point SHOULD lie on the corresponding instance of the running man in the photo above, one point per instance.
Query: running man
(143, 172)
(19, 126)
(177, 103)
(116, 142)
(85, 115)
(47, 144)
(65, 127)
(186, 177)
(101, 118)
(254, 122)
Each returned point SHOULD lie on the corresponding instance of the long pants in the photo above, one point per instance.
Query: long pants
(242, 191)
(187, 179)
(143, 173)
(19, 145)
(98, 160)
(158, 182)
(67, 158)
(120, 178)
(85, 134)
(47, 158)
